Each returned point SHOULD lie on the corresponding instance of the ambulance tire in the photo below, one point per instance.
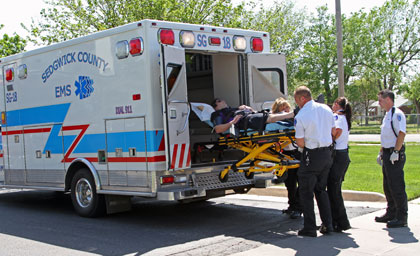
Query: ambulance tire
(86, 202)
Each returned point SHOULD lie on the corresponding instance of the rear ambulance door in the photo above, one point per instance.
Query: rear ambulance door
(267, 78)
(176, 108)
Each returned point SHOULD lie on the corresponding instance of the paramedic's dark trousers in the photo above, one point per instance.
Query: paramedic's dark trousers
(313, 176)
(292, 183)
(394, 184)
(341, 162)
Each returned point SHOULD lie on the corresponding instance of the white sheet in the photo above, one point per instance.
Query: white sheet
(202, 110)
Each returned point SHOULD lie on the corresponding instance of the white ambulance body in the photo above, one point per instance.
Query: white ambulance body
(107, 116)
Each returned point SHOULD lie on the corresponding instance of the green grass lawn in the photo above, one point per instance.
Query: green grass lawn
(376, 129)
(364, 174)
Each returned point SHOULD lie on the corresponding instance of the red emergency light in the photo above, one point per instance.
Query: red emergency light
(9, 74)
(214, 41)
(166, 36)
(167, 180)
(136, 46)
(136, 96)
(257, 44)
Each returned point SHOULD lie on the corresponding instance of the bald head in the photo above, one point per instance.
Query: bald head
(302, 95)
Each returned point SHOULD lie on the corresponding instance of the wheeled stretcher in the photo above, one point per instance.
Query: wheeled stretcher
(262, 149)
(263, 153)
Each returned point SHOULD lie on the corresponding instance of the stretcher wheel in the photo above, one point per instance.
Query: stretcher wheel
(241, 190)
(224, 179)
(249, 175)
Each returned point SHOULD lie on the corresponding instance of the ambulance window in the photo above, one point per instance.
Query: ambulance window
(275, 76)
(172, 72)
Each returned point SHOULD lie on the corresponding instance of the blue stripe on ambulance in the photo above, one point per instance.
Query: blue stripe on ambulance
(38, 115)
(90, 143)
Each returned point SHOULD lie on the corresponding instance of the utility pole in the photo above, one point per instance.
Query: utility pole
(339, 29)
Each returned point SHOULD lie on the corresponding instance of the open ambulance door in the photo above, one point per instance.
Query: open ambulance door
(267, 79)
(176, 109)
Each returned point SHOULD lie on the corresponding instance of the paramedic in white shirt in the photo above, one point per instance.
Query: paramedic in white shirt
(392, 159)
(341, 161)
(314, 125)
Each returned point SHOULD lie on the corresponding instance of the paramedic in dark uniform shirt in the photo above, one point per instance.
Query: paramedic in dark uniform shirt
(314, 125)
(392, 159)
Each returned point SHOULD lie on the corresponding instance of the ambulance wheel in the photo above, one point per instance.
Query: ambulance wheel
(86, 202)
(249, 175)
(224, 179)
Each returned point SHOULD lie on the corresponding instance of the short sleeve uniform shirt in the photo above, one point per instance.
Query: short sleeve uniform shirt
(314, 123)
(388, 138)
(341, 123)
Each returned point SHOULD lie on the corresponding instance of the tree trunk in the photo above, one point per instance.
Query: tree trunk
(367, 113)
(417, 103)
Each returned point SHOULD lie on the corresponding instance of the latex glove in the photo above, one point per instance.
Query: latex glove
(379, 158)
(394, 157)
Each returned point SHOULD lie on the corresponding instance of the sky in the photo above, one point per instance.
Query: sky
(21, 11)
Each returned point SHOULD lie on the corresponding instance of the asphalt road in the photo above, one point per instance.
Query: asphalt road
(44, 223)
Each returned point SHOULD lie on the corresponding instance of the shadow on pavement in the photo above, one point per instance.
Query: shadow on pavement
(401, 235)
(48, 217)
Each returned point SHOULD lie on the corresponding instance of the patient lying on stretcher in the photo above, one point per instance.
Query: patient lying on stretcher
(243, 117)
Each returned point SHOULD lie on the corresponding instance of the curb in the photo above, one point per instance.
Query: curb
(348, 195)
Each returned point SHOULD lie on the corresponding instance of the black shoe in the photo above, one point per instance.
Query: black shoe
(339, 228)
(396, 223)
(287, 211)
(307, 232)
(384, 218)
(295, 214)
(325, 230)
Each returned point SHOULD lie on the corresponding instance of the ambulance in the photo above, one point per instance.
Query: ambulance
(107, 116)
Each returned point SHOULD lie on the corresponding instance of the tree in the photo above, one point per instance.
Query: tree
(411, 91)
(318, 64)
(362, 92)
(286, 27)
(67, 19)
(394, 29)
(10, 45)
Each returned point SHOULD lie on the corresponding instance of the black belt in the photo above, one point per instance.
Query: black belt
(392, 149)
(341, 150)
(318, 149)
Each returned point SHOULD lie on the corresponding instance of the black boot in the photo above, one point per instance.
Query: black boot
(397, 223)
(384, 218)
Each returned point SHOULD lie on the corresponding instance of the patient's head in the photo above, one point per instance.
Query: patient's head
(280, 105)
(218, 104)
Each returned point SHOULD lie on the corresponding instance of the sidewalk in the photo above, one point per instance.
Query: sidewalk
(377, 138)
(365, 238)
(348, 195)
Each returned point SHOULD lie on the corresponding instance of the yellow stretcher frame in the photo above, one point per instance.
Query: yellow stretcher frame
(260, 148)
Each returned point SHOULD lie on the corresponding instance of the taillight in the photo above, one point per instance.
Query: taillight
(257, 44)
(10, 74)
(167, 180)
(215, 41)
(136, 46)
(166, 36)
